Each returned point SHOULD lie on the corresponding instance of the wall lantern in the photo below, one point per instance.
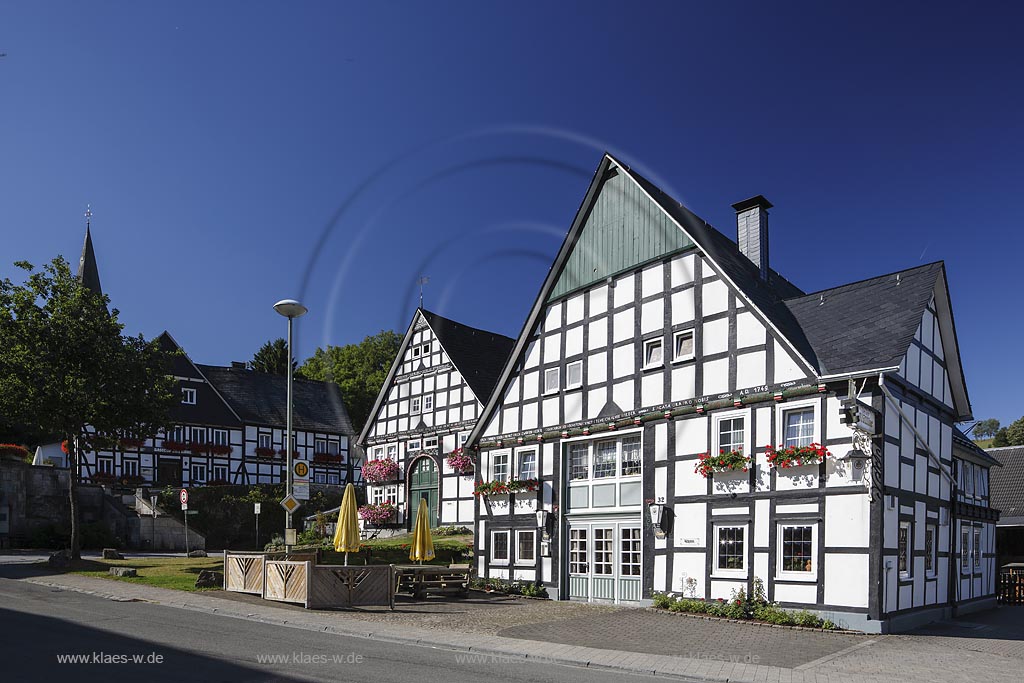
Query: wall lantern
(657, 514)
(542, 522)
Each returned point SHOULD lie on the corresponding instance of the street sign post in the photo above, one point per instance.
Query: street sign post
(183, 497)
(256, 510)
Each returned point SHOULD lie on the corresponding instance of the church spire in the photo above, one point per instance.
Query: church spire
(88, 273)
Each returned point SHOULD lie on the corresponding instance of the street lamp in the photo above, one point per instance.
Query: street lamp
(291, 309)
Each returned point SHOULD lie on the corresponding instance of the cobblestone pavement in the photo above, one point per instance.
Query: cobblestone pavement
(480, 613)
(983, 647)
(658, 633)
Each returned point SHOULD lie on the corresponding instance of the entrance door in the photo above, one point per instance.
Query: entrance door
(604, 561)
(423, 485)
(168, 472)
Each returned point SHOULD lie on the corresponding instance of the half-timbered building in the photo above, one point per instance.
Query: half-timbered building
(431, 399)
(229, 429)
(674, 396)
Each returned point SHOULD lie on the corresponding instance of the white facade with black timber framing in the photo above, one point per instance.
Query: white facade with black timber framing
(431, 399)
(229, 429)
(656, 340)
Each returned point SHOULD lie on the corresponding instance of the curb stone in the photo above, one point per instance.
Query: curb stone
(668, 666)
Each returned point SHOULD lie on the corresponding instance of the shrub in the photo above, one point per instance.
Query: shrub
(805, 618)
(98, 535)
(662, 600)
(534, 590)
(451, 531)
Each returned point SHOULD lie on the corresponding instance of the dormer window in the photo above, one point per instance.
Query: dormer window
(188, 396)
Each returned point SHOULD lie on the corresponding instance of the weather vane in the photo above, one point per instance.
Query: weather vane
(422, 281)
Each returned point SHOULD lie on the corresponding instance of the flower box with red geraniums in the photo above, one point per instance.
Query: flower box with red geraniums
(503, 488)
(725, 461)
(13, 451)
(460, 461)
(218, 482)
(264, 452)
(378, 514)
(327, 458)
(380, 470)
(220, 449)
(197, 448)
(131, 480)
(177, 446)
(783, 457)
(104, 478)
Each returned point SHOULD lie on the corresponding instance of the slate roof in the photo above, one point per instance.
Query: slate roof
(88, 272)
(1006, 484)
(867, 324)
(261, 398)
(478, 354)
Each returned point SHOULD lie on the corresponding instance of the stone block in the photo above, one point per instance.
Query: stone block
(111, 554)
(210, 579)
(123, 571)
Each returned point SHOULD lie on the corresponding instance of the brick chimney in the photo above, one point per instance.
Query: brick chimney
(752, 231)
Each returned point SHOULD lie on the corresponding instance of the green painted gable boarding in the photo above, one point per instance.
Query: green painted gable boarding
(623, 229)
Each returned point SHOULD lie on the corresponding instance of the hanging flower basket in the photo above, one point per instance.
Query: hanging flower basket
(794, 456)
(460, 461)
(380, 470)
(502, 488)
(378, 514)
(725, 461)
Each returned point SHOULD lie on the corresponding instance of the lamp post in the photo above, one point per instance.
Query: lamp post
(291, 309)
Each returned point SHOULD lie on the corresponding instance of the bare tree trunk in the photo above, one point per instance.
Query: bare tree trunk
(76, 551)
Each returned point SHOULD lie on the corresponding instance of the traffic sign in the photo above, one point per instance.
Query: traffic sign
(184, 506)
(290, 504)
(300, 480)
(256, 508)
(183, 496)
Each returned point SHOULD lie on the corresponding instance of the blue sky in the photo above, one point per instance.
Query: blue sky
(239, 153)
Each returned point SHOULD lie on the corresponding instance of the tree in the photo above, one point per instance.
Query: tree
(272, 357)
(1000, 439)
(1015, 433)
(986, 429)
(66, 370)
(359, 370)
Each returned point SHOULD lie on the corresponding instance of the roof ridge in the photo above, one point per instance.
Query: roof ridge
(865, 280)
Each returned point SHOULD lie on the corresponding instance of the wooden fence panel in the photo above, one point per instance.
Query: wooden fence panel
(287, 581)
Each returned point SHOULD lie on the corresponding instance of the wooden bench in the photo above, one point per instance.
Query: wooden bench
(421, 580)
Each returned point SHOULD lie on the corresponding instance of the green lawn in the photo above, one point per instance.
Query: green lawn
(178, 573)
(984, 443)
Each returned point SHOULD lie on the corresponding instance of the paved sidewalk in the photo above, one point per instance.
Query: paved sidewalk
(579, 635)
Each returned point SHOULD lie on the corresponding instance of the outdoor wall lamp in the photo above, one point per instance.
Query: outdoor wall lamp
(657, 514)
(542, 522)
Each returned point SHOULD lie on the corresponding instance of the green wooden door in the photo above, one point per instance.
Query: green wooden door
(423, 484)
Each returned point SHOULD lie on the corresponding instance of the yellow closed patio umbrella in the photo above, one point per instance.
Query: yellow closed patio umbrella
(422, 547)
(346, 535)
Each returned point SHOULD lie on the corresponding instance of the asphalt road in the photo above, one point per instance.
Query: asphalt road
(41, 628)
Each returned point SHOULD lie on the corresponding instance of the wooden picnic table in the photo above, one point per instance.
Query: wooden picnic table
(421, 579)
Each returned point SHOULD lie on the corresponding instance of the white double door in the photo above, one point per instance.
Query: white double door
(605, 560)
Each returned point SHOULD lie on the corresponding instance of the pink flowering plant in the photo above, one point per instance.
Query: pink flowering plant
(498, 488)
(380, 470)
(378, 513)
(460, 461)
(725, 461)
